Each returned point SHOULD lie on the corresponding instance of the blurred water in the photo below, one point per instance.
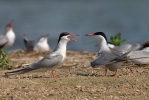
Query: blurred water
(37, 17)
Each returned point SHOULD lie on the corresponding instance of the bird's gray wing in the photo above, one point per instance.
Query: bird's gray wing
(47, 62)
(3, 41)
(123, 47)
(139, 57)
(103, 59)
(127, 47)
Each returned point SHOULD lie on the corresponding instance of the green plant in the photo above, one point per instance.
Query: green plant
(4, 60)
(117, 39)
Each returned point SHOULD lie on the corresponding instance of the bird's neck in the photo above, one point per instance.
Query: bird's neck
(45, 41)
(10, 34)
(61, 47)
(103, 46)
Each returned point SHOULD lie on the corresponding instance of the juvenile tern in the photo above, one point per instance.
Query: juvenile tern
(50, 61)
(105, 55)
(8, 38)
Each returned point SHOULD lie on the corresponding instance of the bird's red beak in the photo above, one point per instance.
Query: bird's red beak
(74, 34)
(73, 39)
(90, 34)
(46, 35)
(10, 25)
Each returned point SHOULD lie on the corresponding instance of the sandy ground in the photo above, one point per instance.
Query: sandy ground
(76, 80)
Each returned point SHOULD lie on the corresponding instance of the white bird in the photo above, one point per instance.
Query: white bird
(40, 45)
(50, 61)
(127, 47)
(112, 57)
(106, 56)
(124, 48)
(8, 38)
(138, 56)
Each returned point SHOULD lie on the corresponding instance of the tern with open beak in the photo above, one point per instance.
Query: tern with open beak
(51, 61)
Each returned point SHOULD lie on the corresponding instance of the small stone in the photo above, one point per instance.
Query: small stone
(137, 90)
(78, 86)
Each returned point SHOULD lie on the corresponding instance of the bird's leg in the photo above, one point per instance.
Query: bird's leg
(106, 71)
(115, 73)
(52, 72)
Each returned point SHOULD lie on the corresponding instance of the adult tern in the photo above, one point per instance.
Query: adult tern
(40, 45)
(8, 38)
(50, 61)
(112, 57)
(106, 56)
(138, 56)
(124, 48)
(134, 47)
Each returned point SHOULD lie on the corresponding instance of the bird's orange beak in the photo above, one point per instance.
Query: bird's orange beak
(90, 34)
(73, 39)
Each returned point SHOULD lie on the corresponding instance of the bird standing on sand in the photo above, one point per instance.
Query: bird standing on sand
(8, 38)
(112, 58)
(105, 55)
(50, 61)
(40, 45)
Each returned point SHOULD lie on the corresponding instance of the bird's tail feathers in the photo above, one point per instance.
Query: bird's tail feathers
(21, 71)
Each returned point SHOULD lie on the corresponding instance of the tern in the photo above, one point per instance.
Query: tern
(8, 38)
(134, 47)
(138, 56)
(124, 48)
(106, 56)
(40, 45)
(50, 61)
(112, 56)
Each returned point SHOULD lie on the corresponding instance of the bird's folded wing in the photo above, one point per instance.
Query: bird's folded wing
(3, 40)
(104, 59)
(139, 57)
(125, 48)
(47, 62)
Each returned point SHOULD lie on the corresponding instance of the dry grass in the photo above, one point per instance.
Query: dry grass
(77, 80)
